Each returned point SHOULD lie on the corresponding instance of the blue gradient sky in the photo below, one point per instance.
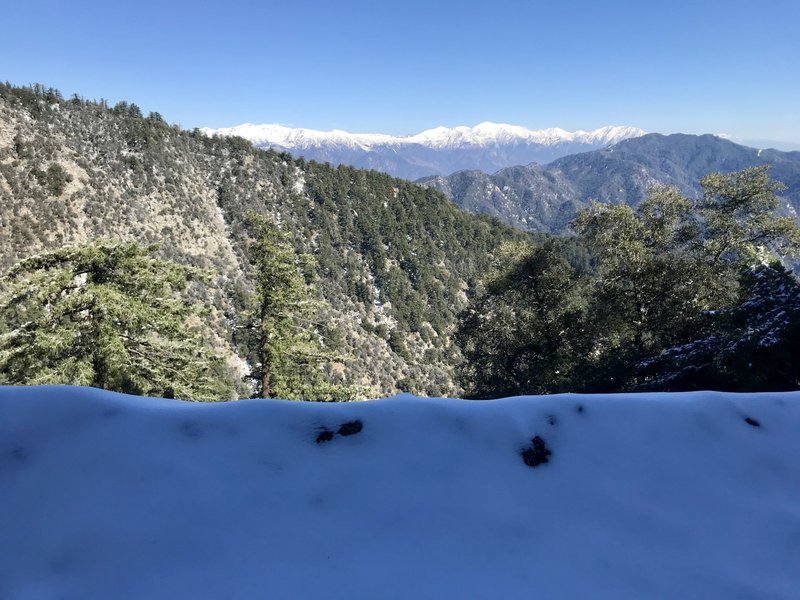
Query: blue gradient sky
(400, 67)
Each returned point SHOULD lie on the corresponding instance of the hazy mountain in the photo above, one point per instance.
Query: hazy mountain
(440, 151)
(762, 143)
(545, 198)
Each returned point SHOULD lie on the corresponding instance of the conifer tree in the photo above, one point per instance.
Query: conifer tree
(522, 333)
(664, 267)
(741, 224)
(108, 315)
(682, 295)
(751, 346)
(289, 348)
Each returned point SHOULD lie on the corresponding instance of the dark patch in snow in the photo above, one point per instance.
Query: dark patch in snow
(190, 430)
(112, 412)
(326, 435)
(579, 409)
(351, 427)
(552, 420)
(347, 428)
(752, 422)
(20, 453)
(536, 454)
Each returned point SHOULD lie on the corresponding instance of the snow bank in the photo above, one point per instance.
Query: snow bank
(650, 496)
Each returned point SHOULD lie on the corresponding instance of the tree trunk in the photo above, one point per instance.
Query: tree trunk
(265, 381)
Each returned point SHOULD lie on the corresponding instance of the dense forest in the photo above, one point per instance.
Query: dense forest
(304, 280)
(678, 294)
(393, 260)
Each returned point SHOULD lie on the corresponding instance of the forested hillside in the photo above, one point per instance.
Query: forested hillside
(547, 197)
(393, 260)
(320, 282)
(678, 294)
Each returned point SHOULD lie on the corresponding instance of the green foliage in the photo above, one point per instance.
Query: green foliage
(521, 334)
(670, 304)
(54, 179)
(393, 260)
(740, 220)
(751, 346)
(651, 280)
(663, 267)
(107, 315)
(289, 347)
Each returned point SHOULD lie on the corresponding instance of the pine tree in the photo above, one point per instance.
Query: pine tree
(108, 315)
(680, 297)
(751, 346)
(289, 347)
(522, 332)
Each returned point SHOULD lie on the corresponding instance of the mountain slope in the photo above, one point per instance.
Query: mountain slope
(545, 198)
(393, 259)
(439, 151)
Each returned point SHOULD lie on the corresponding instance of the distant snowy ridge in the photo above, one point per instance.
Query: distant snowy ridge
(484, 134)
(486, 147)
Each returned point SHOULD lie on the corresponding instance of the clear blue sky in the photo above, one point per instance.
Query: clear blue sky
(403, 66)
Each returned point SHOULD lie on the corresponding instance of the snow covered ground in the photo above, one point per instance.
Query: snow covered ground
(678, 496)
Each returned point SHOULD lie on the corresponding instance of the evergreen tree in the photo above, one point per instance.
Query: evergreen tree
(108, 315)
(290, 350)
(749, 347)
(522, 333)
(679, 298)
(740, 220)
(650, 282)
(666, 265)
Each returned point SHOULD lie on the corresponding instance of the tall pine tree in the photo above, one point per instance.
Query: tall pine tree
(290, 349)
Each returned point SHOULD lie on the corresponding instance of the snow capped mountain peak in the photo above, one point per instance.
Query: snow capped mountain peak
(483, 134)
(441, 150)
(299, 138)
(614, 134)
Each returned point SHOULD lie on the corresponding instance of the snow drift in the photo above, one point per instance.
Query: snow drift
(641, 496)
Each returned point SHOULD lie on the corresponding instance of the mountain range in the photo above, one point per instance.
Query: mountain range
(546, 197)
(439, 151)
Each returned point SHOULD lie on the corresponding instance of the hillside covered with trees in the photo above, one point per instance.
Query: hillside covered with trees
(134, 249)
(547, 197)
(678, 294)
(390, 262)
